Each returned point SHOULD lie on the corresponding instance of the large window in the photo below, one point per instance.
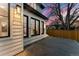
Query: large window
(35, 27)
(42, 25)
(33, 30)
(25, 25)
(4, 20)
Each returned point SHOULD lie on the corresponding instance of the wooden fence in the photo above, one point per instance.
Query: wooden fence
(70, 34)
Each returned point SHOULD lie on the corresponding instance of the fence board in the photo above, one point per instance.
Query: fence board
(70, 34)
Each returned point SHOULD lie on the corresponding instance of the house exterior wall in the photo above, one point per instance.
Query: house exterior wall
(32, 39)
(14, 43)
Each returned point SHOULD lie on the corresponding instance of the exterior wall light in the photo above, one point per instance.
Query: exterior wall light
(18, 9)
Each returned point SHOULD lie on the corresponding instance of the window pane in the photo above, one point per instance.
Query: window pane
(3, 9)
(42, 25)
(3, 19)
(25, 26)
(37, 27)
(3, 26)
(33, 30)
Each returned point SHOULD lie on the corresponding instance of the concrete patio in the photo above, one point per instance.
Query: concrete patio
(52, 46)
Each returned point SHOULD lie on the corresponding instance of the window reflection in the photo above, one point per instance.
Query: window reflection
(42, 26)
(3, 19)
(33, 30)
(37, 27)
(25, 25)
(3, 9)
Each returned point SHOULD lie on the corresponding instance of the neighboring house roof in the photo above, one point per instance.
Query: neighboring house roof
(77, 21)
(29, 8)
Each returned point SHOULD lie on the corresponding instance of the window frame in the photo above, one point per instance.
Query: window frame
(35, 26)
(8, 22)
(27, 25)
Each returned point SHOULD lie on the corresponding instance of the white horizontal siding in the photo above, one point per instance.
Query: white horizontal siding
(17, 34)
(9, 48)
(14, 43)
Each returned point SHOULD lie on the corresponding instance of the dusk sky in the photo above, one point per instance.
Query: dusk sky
(48, 11)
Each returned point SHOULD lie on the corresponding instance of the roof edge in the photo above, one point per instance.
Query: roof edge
(29, 8)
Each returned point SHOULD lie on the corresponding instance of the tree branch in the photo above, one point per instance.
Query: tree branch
(68, 14)
(59, 14)
(73, 14)
(69, 7)
(72, 5)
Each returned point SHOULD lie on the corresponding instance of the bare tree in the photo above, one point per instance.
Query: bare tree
(70, 18)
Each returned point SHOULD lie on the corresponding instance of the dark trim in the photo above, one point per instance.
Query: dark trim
(35, 26)
(8, 22)
(42, 27)
(39, 27)
(9, 19)
(32, 10)
(27, 31)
